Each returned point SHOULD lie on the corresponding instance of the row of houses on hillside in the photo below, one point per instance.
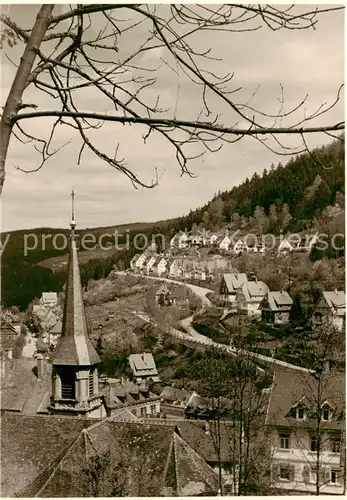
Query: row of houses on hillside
(178, 267)
(253, 297)
(225, 241)
(220, 240)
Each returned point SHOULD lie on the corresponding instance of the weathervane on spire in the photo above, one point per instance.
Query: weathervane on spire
(73, 223)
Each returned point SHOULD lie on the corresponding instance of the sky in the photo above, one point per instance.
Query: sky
(304, 62)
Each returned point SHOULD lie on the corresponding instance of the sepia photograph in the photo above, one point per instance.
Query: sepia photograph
(172, 250)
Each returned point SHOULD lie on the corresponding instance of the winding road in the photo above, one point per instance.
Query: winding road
(194, 336)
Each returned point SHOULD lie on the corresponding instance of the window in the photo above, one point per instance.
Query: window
(153, 409)
(326, 413)
(334, 476)
(284, 440)
(285, 472)
(300, 413)
(67, 378)
(91, 383)
(336, 444)
(314, 443)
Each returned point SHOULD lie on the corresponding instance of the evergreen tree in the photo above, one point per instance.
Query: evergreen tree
(273, 217)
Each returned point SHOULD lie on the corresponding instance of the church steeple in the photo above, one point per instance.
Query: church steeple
(75, 360)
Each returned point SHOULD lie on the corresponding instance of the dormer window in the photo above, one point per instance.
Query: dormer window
(300, 413)
(326, 412)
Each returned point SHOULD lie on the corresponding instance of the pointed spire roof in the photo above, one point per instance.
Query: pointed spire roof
(74, 347)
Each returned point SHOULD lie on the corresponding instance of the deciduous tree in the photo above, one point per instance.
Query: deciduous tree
(85, 47)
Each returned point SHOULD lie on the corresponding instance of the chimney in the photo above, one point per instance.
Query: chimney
(40, 366)
(335, 291)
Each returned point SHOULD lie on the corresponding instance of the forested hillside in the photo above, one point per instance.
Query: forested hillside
(289, 197)
(297, 192)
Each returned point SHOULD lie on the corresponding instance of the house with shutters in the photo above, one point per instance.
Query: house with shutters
(229, 285)
(249, 297)
(331, 308)
(305, 453)
(276, 308)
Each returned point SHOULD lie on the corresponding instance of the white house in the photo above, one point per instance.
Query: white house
(140, 261)
(296, 438)
(160, 265)
(172, 268)
(239, 246)
(143, 367)
(133, 262)
(276, 307)
(212, 238)
(223, 242)
(149, 263)
(229, 285)
(180, 240)
(331, 308)
(250, 296)
(285, 247)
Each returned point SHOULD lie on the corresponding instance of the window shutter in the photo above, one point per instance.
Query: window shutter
(292, 473)
(327, 475)
(275, 472)
(306, 473)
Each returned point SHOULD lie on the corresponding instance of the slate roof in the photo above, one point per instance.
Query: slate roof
(22, 392)
(48, 456)
(234, 281)
(143, 365)
(126, 393)
(220, 238)
(254, 291)
(74, 347)
(172, 394)
(279, 301)
(291, 386)
(200, 435)
(336, 301)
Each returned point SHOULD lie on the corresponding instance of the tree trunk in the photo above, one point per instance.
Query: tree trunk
(14, 99)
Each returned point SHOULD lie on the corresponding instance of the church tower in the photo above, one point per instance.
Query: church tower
(75, 388)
